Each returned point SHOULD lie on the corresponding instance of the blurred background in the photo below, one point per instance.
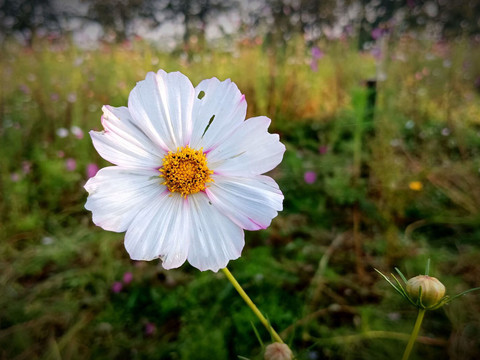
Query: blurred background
(378, 104)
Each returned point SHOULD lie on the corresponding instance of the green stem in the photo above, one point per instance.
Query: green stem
(413, 336)
(252, 306)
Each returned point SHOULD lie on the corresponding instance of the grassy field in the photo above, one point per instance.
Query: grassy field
(376, 175)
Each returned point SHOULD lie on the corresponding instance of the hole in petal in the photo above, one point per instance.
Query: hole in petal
(201, 94)
(208, 125)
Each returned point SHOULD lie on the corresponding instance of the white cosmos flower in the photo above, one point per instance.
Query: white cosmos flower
(188, 176)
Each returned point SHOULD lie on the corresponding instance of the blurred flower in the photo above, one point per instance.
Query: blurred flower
(394, 316)
(77, 132)
(127, 278)
(415, 185)
(210, 163)
(47, 240)
(395, 142)
(26, 167)
(54, 97)
(409, 124)
(278, 351)
(62, 132)
(310, 177)
(14, 177)
(317, 53)
(377, 33)
(70, 164)
(322, 149)
(60, 154)
(445, 131)
(376, 52)
(117, 286)
(150, 329)
(24, 89)
(92, 170)
(72, 97)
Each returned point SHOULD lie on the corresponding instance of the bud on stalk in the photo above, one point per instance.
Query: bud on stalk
(432, 290)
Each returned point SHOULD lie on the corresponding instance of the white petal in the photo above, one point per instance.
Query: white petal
(124, 144)
(161, 106)
(249, 151)
(117, 194)
(223, 100)
(251, 203)
(161, 230)
(215, 238)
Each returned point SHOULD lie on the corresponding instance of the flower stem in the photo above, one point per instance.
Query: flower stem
(252, 306)
(413, 336)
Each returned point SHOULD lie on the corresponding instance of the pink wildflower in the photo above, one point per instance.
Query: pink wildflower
(127, 278)
(310, 177)
(70, 164)
(117, 287)
(92, 170)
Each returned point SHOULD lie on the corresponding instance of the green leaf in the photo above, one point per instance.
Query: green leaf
(393, 285)
(401, 275)
(257, 334)
(463, 293)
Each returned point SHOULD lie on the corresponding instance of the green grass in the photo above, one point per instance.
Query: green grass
(311, 273)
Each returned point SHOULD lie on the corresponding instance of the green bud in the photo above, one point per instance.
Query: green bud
(432, 290)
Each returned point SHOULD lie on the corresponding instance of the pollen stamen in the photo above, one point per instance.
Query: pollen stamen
(185, 171)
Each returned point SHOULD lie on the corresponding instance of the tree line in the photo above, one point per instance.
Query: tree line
(278, 20)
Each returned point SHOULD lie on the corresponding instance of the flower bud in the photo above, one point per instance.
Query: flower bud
(278, 351)
(432, 290)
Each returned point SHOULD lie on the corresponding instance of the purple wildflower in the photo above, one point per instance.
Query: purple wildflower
(127, 278)
(70, 164)
(310, 177)
(117, 286)
(317, 53)
(92, 170)
(150, 329)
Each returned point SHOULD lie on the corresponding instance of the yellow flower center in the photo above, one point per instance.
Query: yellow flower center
(185, 171)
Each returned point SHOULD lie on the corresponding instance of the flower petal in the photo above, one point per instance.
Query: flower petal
(117, 194)
(124, 144)
(251, 203)
(225, 103)
(215, 238)
(161, 230)
(250, 150)
(161, 106)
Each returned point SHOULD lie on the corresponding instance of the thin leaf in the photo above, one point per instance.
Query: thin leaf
(401, 275)
(388, 280)
(257, 334)
(463, 293)
(403, 292)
